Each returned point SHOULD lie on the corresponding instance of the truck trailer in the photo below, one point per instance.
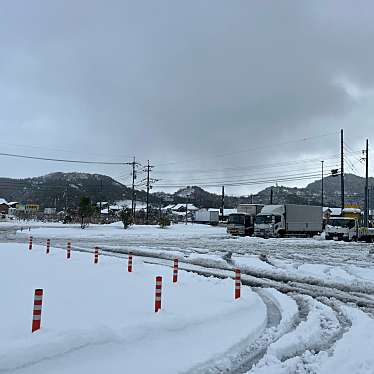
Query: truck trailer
(288, 220)
(206, 216)
(242, 222)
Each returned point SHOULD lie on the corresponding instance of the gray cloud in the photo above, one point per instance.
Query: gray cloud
(175, 81)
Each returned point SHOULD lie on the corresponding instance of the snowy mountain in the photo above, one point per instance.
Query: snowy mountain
(53, 189)
(56, 188)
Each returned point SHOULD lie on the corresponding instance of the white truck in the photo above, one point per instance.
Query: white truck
(206, 216)
(288, 220)
(348, 229)
(242, 222)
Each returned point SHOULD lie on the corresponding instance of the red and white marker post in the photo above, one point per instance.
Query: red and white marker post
(175, 271)
(158, 294)
(37, 311)
(96, 257)
(237, 283)
(30, 243)
(48, 245)
(129, 265)
(68, 250)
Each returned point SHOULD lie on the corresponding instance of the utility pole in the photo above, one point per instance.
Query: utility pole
(134, 164)
(251, 198)
(322, 192)
(133, 190)
(366, 205)
(223, 202)
(186, 211)
(148, 169)
(342, 167)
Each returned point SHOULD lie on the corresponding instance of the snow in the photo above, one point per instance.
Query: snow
(116, 230)
(320, 326)
(200, 328)
(100, 317)
(353, 354)
(3, 201)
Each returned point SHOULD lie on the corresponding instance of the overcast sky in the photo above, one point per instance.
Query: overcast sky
(206, 90)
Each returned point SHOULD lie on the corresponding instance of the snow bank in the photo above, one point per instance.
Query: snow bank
(116, 230)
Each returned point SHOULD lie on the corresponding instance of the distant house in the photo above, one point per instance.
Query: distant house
(178, 211)
(4, 207)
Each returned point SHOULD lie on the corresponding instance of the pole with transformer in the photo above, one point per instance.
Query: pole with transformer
(133, 190)
(134, 164)
(148, 170)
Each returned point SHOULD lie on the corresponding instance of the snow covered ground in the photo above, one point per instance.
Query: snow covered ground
(321, 322)
(100, 318)
(308, 260)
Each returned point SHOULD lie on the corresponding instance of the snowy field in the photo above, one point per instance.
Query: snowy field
(101, 318)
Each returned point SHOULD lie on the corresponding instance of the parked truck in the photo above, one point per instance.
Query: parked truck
(242, 222)
(348, 229)
(206, 216)
(288, 220)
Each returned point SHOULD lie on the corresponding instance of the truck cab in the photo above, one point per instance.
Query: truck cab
(269, 225)
(342, 228)
(270, 222)
(240, 224)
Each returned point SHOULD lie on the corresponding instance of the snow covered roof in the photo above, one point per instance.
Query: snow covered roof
(189, 207)
(3, 201)
(168, 207)
(128, 203)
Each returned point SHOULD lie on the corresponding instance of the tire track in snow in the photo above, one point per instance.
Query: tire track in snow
(294, 352)
(242, 357)
(283, 283)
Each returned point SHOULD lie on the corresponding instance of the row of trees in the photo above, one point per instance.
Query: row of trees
(87, 210)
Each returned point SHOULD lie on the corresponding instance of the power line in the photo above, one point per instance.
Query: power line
(59, 149)
(63, 160)
(238, 178)
(252, 166)
(250, 182)
(304, 139)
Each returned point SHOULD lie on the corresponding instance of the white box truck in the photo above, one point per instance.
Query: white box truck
(288, 220)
